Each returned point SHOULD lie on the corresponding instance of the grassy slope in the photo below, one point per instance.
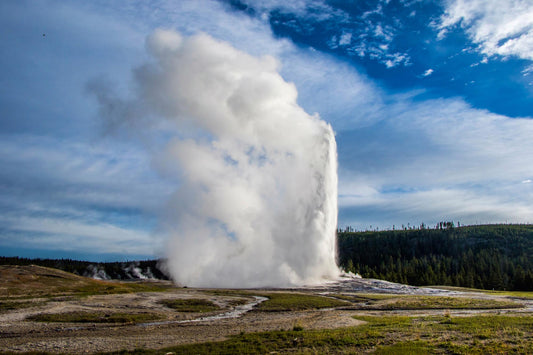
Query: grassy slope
(19, 282)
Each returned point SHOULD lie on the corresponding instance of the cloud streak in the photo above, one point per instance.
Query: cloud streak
(503, 28)
(61, 194)
(403, 157)
(437, 159)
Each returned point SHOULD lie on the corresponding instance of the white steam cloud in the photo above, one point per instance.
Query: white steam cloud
(257, 201)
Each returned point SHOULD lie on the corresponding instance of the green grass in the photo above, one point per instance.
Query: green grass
(375, 296)
(297, 302)
(191, 305)
(518, 294)
(226, 292)
(383, 335)
(363, 297)
(117, 287)
(94, 317)
(415, 302)
(287, 301)
(439, 302)
(35, 281)
(12, 305)
(405, 348)
(89, 288)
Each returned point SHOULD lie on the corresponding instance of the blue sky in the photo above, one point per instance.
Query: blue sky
(431, 102)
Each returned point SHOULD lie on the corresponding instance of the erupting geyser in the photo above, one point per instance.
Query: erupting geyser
(257, 198)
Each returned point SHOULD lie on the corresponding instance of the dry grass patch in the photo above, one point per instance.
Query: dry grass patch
(382, 335)
(95, 317)
(22, 282)
(297, 302)
(191, 305)
(439, 302)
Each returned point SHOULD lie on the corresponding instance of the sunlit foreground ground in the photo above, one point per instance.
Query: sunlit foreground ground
(49, 311)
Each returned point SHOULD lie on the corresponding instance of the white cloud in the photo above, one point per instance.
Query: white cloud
(316, 10)
(499, 27)
(528, 70)
(369, 35)
(346, 39)
(55, 191)
(395, 59)
(438, 158)
(76, 235)
(402, 158)
(438, 204)
(348, 99)
(428, 72)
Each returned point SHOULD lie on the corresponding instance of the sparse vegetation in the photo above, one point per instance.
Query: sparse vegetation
(420, 332)
(383, 335)
(438, 302)
(416, 302)
(12, 305)
(191, 305)
(363, 297)
(297, 302)
(95, 317)
(20, 282)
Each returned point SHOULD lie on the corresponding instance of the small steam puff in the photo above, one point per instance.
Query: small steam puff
(257, 202)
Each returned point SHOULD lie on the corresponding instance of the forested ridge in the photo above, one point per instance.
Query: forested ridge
(496, 257)
(128, 270)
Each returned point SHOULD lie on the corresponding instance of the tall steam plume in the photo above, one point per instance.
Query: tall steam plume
(257, 197)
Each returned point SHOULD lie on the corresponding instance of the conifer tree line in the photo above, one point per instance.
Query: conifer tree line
(498, 257)
(112, 270)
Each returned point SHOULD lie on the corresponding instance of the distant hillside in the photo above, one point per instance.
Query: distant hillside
(496, 257)
(131, 270)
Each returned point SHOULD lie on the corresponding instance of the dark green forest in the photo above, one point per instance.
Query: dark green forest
(498, 257)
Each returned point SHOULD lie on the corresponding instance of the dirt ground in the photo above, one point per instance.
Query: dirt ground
(19, 334)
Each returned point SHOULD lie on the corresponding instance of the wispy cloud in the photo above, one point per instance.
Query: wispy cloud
(64, 194)
(428, 72)
(366, 35)
(345, 39)
(403, 158)
(502, 28)
(434, 159)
